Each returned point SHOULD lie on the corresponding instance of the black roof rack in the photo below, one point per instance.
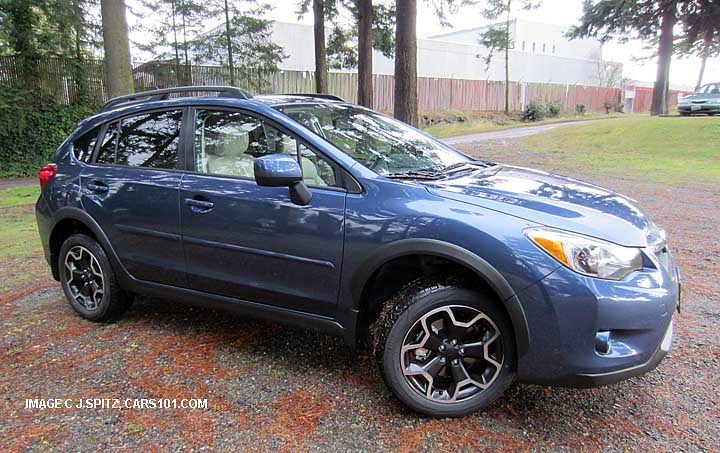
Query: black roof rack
(318, 95)
(156, 95)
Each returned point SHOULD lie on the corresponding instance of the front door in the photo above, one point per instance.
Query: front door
(251, 242)
(132, 190)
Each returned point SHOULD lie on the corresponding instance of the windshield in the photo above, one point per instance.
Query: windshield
(382, 144)
(710, 88)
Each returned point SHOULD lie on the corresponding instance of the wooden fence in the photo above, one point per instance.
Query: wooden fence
(66, 81)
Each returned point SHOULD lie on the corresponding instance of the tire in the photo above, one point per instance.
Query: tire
(92, 271)
(424, 302)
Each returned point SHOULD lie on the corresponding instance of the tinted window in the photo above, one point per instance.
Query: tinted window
(227, 143)
(83, 147)
(149, 140)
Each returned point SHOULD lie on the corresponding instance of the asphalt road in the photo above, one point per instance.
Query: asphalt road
(508, 134)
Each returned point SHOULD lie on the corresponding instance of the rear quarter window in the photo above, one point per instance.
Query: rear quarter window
(84, 145)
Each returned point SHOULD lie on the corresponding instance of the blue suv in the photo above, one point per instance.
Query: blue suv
(462, 274)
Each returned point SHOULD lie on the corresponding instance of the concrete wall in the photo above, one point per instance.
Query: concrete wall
(547, 39)
(461, 60)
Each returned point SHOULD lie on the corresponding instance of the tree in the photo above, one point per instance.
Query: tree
(242, 44)
(175, 23)
(352, 46)
(701, 32)
(365, 50)
(66, 29)
(405, 102)
(642, 19)
(323, 10)
(405, 106)
(497, 38)
(117, 47)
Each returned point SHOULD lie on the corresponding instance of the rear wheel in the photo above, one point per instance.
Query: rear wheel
(444, 350)
(88, 280)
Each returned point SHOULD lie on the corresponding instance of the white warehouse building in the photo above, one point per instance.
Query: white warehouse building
(541, 54)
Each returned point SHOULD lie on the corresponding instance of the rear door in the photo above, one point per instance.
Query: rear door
(132, 190)
(251, 242)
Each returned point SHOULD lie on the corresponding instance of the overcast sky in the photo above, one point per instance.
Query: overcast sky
(558, 12)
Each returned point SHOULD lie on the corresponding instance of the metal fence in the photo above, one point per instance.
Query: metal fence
(67, 80)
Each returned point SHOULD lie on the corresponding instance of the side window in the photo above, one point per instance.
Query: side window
(316, 170)
(84, 145)
(227, 143)
(149, 140)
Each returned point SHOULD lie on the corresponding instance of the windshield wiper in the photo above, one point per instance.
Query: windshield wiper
(473, 164)
(415, 174)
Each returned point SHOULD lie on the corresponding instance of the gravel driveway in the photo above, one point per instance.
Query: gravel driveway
(270, 387)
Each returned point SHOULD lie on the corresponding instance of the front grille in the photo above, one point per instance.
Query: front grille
(699, 102)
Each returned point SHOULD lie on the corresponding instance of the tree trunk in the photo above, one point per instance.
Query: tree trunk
(188, 74)
(78, 70)
(706, 52)
(21, 32)
(228, 36)
(117, 47)
(507, 60)
(665, 51)
(405, 102)
(176, 45)
(321, 76)
(365, 45)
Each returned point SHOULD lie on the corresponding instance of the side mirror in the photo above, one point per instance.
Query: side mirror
(280, 170)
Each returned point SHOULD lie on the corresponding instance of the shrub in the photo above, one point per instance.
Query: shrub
(553, 109)
(608, 107)
(580, 109)
(535, 111)
(31, 129)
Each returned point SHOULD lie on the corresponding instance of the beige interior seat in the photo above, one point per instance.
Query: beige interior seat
(226, 156)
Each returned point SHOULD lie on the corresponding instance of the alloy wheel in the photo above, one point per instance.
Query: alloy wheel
(452, 354)
(84, 277)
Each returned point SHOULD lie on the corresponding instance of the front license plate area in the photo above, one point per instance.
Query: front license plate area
(695, 108)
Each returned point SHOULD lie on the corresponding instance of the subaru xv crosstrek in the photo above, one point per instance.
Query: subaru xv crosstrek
(459, 274)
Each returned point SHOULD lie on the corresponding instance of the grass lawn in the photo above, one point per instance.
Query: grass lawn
(18, 230)
(671, 149)
(481, 125)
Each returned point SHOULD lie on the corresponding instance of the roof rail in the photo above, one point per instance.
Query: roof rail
(318, 95)
(156, 95)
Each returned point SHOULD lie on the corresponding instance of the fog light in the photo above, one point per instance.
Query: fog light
(602, 341)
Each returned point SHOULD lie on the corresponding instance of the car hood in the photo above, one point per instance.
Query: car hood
(701, 97)
(551, 200)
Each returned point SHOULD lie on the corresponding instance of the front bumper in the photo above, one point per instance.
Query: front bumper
(566, 311)
(611, 377)
(699, 108)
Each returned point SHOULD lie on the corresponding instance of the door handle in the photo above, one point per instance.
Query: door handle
(199, 205)
(98, 187)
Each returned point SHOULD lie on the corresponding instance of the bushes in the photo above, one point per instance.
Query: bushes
(537, 111)
(31, 130)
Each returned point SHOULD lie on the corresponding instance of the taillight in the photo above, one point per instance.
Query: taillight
(46, 174)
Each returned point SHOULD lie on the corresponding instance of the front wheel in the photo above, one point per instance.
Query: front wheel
(444, 350)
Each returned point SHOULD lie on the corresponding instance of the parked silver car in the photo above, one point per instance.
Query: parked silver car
(705, 99)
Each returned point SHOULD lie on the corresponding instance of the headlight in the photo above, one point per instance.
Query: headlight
(586, 255)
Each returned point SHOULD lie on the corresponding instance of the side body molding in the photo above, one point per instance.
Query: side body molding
(452, 252)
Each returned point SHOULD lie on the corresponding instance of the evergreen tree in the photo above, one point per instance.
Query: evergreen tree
(497, 37)
(648, 20)
(242, 44)
(175, 24)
